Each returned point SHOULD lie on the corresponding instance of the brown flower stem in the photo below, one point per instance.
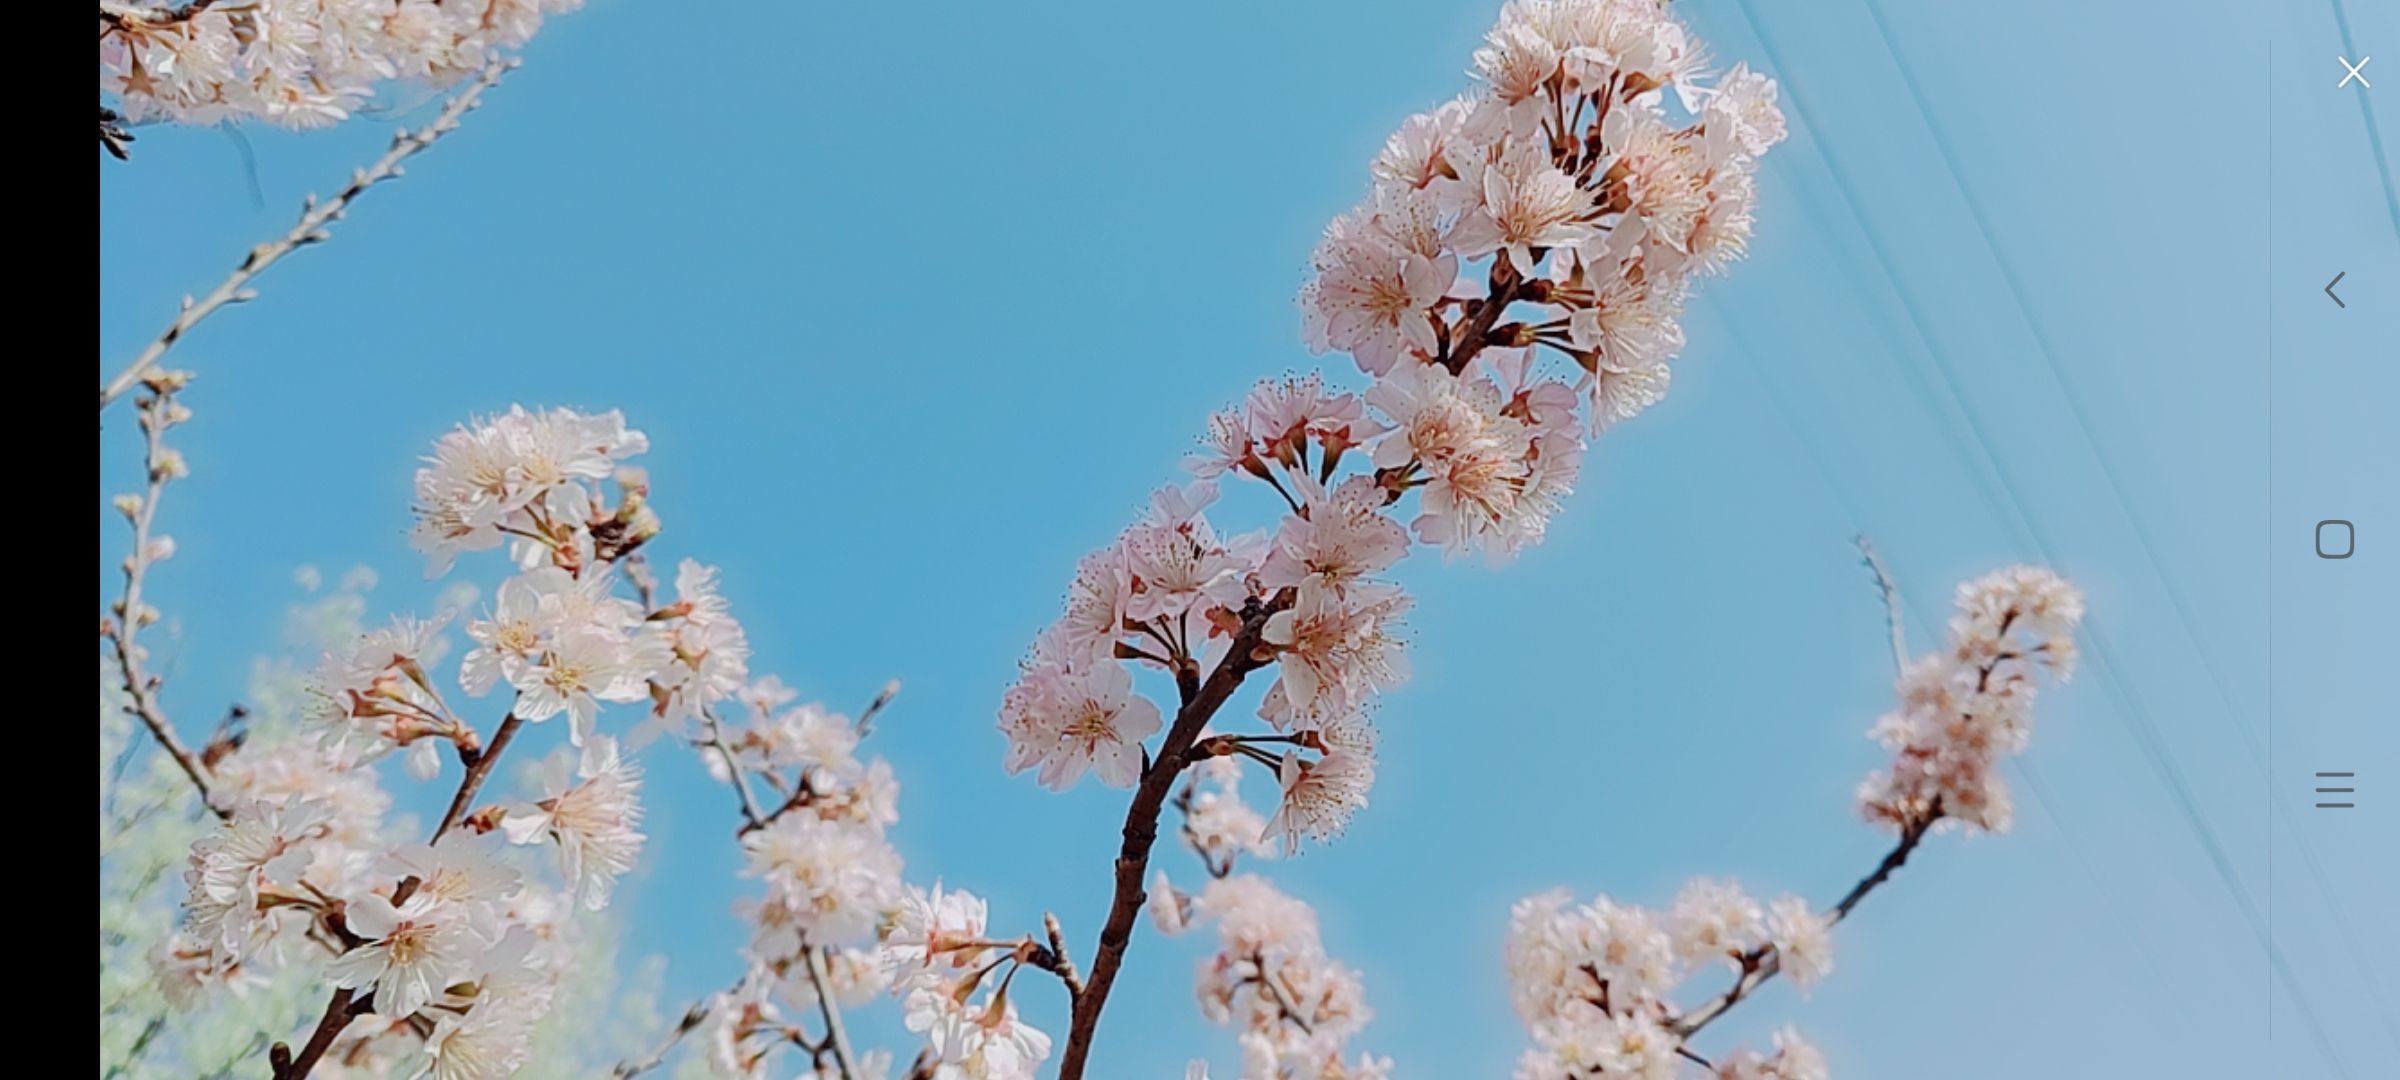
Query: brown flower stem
(1141, 827)
(1762, 963)
(751, 818)
(337, 1016)
(477, 771)
(1056, 960)
(315, 219)
(1474, 331)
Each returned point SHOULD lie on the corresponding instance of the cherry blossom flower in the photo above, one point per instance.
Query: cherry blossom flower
(1473, 457)
(592, 820)
(1964, 710)
(1713, 920)
(375, 695)
(522, 475)
(1293, 1007)
(1528, 205)
(1371, 298)
(1335, 651)
(1803, 940)
(1096, 606)
(986, 1043)
(1793, 1059)
(1071, 720)
(1344, 538)
(827, 881)
(1217, 825)
(1742, 117)
(459, 870)
(488, 1043)
(935, 932)
(583, 667)
(412, 952)
(258, 852)
(528, 609)
(1320, 796)
(1174, 562)
(707, 651)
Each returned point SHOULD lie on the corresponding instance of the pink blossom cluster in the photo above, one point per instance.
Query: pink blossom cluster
(458, 948)
(1965, 709)
(453, 948)
(1293, 1007)
(1560, 209)
(836, 924)
(1510, 287)
(1589, 176)
(1595, 983)
(297, 63)
(832, 877)
(450, 949)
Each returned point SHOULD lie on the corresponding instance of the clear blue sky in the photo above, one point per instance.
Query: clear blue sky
(918, 302)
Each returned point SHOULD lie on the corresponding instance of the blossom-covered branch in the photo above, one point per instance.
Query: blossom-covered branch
(442, 948)
(316, 221)
(1294, 1007)
(1595, 983)
(1510, 286)
(297, 63)
(802, 753)
(159, 412)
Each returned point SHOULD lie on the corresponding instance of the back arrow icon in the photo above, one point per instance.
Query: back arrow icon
(2337, 279)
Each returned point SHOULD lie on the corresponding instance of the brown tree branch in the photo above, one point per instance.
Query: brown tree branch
(478, 769)
(315, 219)
(329, 1027)
(1762, 963)
(141, 688)
(1141, 826)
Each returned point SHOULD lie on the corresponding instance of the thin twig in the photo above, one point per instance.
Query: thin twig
(751, 819)
(692, 1019)
(477, 771)
(1891, 601)
(866, 718)
(141, 688)
(315, 219)
(1060, 964)
(822, 983)
(1141, 826)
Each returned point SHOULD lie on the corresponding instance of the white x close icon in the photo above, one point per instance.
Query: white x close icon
(2351, 71)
